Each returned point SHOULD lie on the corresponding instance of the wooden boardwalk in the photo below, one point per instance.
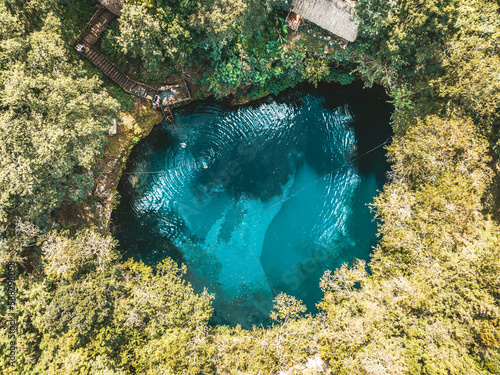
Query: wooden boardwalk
(96, 26)
(162, 97)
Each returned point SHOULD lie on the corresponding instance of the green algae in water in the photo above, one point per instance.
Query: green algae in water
(258, 199)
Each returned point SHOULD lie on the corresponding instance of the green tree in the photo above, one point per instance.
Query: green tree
(53, 121)
(87, 250)
(315, 70)
(154, 35)
(403, 39)
(287, 308)
(127, 319)
(141, 36)
(472, 62)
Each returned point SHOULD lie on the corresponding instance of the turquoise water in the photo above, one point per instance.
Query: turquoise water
(261, 198)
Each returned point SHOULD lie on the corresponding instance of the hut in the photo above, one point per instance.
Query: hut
(114, 6)
(334, 16)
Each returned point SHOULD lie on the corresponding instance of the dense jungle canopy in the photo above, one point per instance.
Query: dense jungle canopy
(427, 303)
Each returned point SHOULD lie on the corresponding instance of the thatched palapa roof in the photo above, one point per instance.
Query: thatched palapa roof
(334, 16)
(114, 6)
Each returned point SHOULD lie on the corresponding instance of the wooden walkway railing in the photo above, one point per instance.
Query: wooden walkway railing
(85, 44)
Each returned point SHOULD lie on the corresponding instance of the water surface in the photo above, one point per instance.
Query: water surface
(261, 198)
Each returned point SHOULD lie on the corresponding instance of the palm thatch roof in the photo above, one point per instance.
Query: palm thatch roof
(114, 6)
(334, 16)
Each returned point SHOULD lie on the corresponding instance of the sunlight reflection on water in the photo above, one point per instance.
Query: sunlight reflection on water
(255, 200)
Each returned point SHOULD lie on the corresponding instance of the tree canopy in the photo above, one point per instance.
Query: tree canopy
(53, 120)
(426, 303)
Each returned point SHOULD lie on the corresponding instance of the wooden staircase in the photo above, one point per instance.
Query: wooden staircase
(96, 26)
(100, 25)
(99, 60)
(91, 35)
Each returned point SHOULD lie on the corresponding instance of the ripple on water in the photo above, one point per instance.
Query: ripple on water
(258, 199)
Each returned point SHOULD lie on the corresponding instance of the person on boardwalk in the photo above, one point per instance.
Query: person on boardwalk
(156, 101)
(80, 48)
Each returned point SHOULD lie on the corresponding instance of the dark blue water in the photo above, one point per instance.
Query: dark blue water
(258, 199)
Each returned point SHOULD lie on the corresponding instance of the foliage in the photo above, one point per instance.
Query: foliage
(53, 121)
(341, 76)
(87, 250)
(429, 296)
(124, 319)
(238, 44)
(109, 43)
(125, 100)
(429, 303)
(286, 308)
(444, 49)
(141, 36)
(472, 60)
(156, 36)
(389, 48)
(315, 70)
(290, 348)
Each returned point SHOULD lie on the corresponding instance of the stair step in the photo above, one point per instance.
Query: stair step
(126, 83)
(120, 79)
(98, 29)
(116, 75)
(106, 65)
(123, 82)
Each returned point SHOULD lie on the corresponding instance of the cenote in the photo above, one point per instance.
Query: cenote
(258, 199)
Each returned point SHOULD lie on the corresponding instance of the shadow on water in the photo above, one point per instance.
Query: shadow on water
(260, 198)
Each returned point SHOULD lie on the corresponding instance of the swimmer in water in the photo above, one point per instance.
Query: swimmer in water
(183, 145)
(205, 165)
